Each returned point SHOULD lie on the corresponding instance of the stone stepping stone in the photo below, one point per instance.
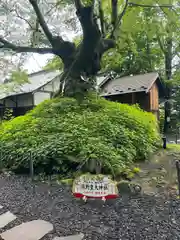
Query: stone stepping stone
(6, 218)
(72, 237)
(33, 230)
(1, 206)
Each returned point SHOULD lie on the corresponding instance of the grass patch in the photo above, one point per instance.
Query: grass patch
(173, 147)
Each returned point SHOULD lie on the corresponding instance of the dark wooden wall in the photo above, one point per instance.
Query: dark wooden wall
(147, 101)
(140, 98)
(15, 111)
(154, 98)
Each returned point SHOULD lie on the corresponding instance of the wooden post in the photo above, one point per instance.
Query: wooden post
(178, 174)
(176, 134)
(31, 165)
(176, 138)
(1, 163)
(133, 98)
(164, 142)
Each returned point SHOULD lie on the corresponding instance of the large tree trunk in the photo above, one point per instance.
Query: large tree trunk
(168, 69)
(83, 62)
(73, 85)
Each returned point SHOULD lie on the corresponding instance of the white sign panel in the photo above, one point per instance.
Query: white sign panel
(94, 186)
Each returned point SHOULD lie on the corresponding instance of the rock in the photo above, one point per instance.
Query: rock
(33, 230)
(162, 182)
(72, 237)
(128, 187)
(68, 181)
(136, 188)
(154, 178)
(6, 218)
(124, 187)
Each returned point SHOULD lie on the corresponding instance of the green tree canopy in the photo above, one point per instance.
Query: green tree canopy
(141, 46)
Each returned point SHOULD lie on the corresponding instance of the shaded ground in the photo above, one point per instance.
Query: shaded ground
(150, 216)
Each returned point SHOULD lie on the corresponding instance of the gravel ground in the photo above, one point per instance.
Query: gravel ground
(127, 218)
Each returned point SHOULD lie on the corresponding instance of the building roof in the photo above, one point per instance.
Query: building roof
(106, 82)
(101, 79)
(129, 84)
(104, 77)
(35, 81)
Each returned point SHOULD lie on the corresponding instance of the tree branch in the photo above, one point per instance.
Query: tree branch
(123, 12)
(161, 44)
(176, 66)
(20, 49)
(78, 5)
(175, 54)
(106, 44)
(20, 17)
(118, 22)
(131, 4)
(114, 15)
(91, 38)
(42, 21)
(101, 17)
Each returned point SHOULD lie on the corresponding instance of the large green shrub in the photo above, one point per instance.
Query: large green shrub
(63, 136)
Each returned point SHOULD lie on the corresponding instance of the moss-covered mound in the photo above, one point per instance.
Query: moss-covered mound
(62, 136)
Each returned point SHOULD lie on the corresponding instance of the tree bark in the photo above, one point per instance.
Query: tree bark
(168, 70)
(83, 62)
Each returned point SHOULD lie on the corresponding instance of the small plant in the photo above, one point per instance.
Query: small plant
(136, 170)
(66, 181)
(65, 137)
(130, 175)
(8, 114)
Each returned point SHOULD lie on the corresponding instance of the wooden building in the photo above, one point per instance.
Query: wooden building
(145, 90)
(40, 86)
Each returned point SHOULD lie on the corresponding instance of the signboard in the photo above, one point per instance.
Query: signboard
(94, 186)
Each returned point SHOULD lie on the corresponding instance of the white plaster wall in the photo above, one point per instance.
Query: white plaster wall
(48, 87)
(40, 97)
(56, 83)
